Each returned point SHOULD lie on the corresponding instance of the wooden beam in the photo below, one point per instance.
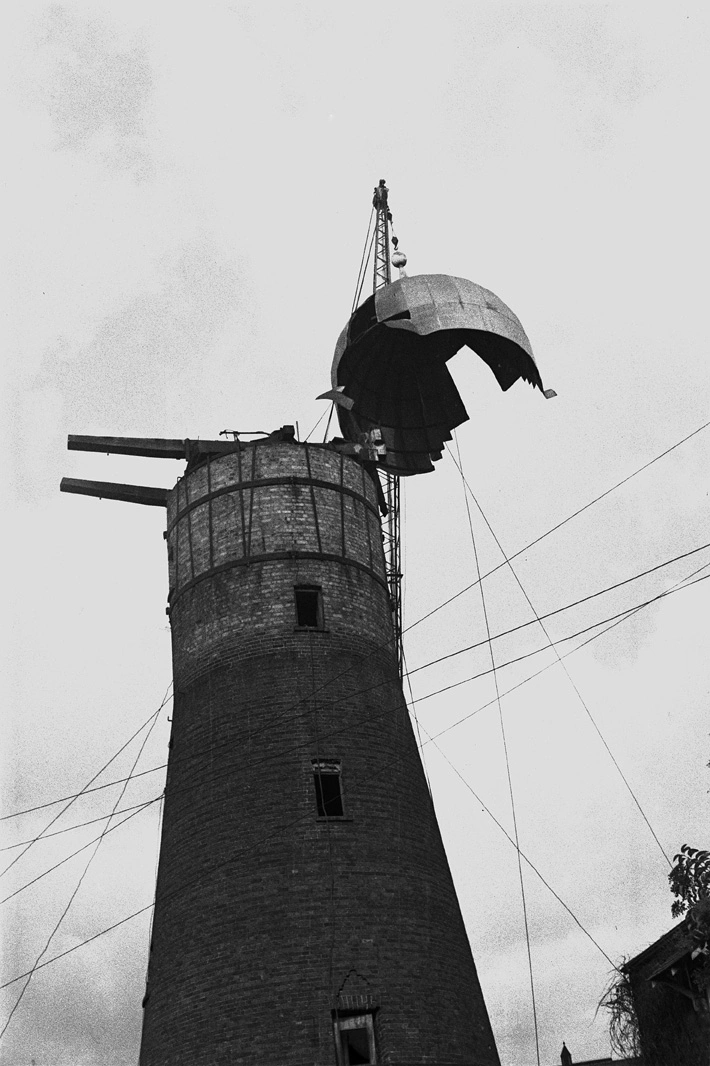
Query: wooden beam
(109, 490)
(153, 447)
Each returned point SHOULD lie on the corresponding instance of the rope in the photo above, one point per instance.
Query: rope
(507, 759)
(155, 881)
(616, 619)
(79, 825)
(316, 425)
(624, 618)
(116, 925)
(507, 835)
(73, 896)
(439, 607)
(411, 705)
(327, 426)
(564, 667)
(367, 718)
(301, 819)
(559, 525)
(56, 958)
(567, 607)
(363, 265)
(84, 792)
(362, 279)
(536, 541)
(460, 593)
(98, 774)
(244, 852)
(61, 862)
(621, 615)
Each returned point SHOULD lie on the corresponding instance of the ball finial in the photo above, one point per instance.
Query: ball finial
(399, 260)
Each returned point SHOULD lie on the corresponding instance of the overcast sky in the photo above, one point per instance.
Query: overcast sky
(188, 193)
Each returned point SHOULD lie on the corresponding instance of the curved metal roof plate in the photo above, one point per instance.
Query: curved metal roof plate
(389, 368)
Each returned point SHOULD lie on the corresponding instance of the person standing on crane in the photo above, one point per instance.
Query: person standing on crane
(379, 199)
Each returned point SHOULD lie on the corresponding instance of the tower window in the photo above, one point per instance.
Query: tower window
(329, 797)
(309, 606)
(355, 1040)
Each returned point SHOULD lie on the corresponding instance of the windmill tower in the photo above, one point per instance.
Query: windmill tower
(305, 914)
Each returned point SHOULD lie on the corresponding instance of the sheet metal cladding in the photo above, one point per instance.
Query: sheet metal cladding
(389, 371)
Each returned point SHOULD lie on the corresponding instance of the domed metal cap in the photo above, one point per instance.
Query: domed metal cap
(389, 370)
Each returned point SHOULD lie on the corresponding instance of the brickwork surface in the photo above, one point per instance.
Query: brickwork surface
(267, 916)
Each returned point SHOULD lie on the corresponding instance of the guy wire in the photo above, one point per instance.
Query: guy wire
(467, 488)
(71, 799)
(383, 712)
(363, 264)
(439, 607)
(79, 882)
(507, 760)
(563, 522)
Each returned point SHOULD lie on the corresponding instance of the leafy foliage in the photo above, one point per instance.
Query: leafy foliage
(689, 879)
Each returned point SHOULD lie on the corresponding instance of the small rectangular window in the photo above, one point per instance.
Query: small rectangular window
(329, 797)
(309, 606)
(355, 1040)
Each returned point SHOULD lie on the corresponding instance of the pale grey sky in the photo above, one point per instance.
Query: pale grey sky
(188, 193)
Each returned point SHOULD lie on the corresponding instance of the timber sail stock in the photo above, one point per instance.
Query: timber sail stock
(194, 452)
(150, 447)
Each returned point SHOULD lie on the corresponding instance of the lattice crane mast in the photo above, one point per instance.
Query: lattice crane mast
(382, 275)
(382, 272)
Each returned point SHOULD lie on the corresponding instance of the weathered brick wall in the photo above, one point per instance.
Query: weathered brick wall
(230, 510)
(264, 911)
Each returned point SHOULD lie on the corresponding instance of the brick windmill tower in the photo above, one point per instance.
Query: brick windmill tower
(305, 914)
